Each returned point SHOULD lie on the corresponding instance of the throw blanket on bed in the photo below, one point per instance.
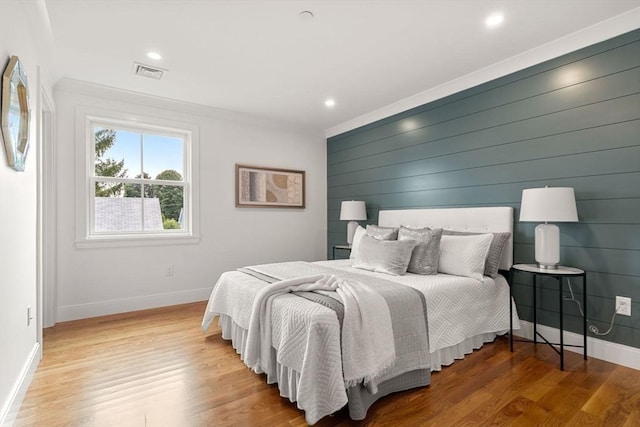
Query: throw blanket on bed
(368, 350)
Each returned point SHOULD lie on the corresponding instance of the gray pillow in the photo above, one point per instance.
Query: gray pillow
(424, 258)
(384, 256)
(382, 233)
(499, 242)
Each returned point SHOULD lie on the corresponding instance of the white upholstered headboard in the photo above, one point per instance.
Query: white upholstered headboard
(494, 219)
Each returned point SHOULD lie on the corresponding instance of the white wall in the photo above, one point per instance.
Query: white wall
(21, 34)
(97, 281)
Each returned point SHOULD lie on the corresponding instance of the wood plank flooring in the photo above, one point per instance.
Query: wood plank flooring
(156, 368)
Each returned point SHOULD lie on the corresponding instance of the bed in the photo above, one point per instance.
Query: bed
(305, 336)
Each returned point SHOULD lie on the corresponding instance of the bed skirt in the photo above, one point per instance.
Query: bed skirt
(359, 398)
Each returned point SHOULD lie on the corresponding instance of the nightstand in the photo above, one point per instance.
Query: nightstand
(341, 248)
(558, 274)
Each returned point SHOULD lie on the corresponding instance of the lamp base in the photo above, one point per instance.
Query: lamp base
(548, 266)
(351, 230)
(547, 246)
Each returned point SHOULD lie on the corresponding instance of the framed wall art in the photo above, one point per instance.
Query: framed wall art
(269, 188)
(15, 113)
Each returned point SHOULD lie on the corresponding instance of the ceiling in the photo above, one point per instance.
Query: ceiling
(263, 58)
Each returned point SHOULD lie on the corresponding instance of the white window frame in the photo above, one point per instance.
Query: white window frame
(86, 237)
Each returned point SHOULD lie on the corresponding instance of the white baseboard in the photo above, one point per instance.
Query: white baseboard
(103, 308)
(11, 407)
(600, 349)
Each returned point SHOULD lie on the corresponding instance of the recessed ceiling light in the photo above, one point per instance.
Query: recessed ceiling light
(154, 55)
(330, 103)
(494, 20)
(306, 15)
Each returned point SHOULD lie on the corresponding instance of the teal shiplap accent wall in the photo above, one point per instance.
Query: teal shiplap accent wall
(573, 121)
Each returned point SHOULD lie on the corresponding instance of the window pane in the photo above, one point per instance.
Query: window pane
(171, 203)
(163, 153)
(130, 153)
(117, 152)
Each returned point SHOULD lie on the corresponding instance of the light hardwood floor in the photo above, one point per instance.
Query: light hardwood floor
(156, 368)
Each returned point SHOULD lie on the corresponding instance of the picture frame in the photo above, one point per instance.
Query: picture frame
(15, 113)
(264, 187)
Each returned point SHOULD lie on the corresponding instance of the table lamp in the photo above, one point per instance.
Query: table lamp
(352, 211)
(548, 204)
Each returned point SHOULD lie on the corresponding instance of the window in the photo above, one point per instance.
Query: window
(138, 181)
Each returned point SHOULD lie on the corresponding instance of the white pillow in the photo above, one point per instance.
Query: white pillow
(360, 231)
(464, 255)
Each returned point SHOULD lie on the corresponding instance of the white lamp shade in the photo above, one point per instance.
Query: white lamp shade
(549, 204)
(353, 211)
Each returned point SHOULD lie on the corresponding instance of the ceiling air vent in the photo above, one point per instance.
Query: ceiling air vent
(148, 71)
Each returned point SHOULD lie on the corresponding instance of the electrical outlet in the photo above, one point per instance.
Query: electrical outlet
(623, 306)
(170, 270)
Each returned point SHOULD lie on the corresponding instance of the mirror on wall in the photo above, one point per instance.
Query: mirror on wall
(15, 113)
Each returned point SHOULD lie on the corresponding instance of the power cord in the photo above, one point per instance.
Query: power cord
(592, 328)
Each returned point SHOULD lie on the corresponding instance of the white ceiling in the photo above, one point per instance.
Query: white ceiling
(260, 57)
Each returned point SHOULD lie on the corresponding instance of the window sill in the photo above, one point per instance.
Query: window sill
(133, 241)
